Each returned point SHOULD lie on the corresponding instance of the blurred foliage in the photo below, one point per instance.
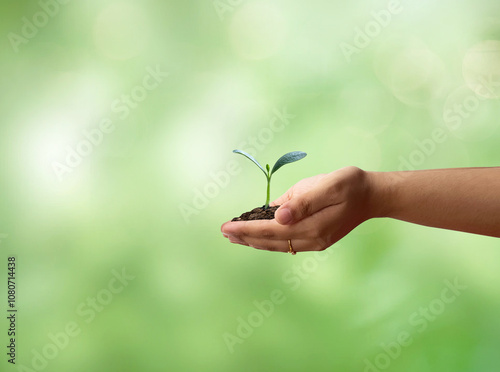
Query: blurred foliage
(363, 83)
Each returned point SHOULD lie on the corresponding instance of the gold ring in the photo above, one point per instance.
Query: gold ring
(290, 249)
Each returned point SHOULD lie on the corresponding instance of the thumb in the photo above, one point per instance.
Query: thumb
(301, 207)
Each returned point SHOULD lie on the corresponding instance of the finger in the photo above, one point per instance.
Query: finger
(282, 199)
(308, 203)
(236, 240)
(298, 245)
(265, 229)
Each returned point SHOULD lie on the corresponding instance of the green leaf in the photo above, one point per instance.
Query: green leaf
(251, 158)
(288, 158)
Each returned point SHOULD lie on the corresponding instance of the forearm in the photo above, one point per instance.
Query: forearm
(462, 199)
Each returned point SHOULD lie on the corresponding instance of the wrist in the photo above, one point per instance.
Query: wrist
(381, 194)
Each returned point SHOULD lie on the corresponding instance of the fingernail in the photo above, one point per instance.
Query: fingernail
(225, 235)
(284, 216)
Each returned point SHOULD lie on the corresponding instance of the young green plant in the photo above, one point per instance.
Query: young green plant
(285, 159)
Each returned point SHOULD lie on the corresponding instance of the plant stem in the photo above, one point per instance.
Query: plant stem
(268, 192)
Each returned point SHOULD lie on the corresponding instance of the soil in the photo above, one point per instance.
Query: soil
(257, 214)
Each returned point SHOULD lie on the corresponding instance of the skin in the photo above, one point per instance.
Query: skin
(318, 211)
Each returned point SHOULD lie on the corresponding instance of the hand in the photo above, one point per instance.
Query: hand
(314, 214)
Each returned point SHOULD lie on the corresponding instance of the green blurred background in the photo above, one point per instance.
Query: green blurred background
(362, 83)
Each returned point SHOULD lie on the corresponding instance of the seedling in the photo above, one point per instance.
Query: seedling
(285, 159)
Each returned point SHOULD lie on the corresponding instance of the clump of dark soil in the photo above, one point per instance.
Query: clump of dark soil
(257, 214)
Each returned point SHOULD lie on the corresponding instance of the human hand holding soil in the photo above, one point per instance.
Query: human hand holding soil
(314, 213)
(318, 211)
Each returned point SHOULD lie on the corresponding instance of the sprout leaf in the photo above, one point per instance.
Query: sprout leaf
(251, 158)
(288, 158)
